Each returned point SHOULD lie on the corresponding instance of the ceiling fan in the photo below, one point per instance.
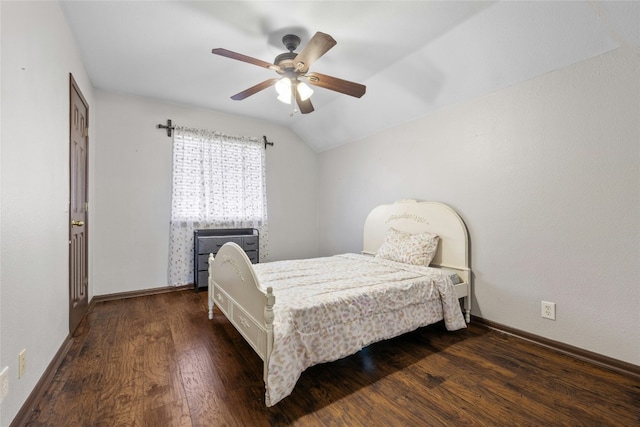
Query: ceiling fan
(293, 69)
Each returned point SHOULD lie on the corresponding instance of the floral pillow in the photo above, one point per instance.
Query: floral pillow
(417, 249)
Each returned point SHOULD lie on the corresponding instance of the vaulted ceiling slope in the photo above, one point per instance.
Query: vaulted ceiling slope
(414, 56)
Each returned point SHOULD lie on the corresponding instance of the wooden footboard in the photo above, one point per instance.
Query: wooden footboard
(233, 287)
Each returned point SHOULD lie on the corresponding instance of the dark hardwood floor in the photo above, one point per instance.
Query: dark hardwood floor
(158, 361)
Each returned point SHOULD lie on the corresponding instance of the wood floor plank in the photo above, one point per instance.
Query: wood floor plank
(76, 401)
(202, 387)
(175, 414)
(121, 398)
(159, 361)
(162, 381)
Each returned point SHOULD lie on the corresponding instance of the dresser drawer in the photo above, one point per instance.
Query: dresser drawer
(212, 245)
(203, 279)
(253, 256)
(203, 262)
(250, 243)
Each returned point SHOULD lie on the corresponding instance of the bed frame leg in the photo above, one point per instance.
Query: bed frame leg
(467, 306)
(210, 285)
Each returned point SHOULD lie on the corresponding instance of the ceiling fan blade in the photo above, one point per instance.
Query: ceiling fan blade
(306, 106)
(254, 89)
(244, 58)
(319, 44)
(336, 84)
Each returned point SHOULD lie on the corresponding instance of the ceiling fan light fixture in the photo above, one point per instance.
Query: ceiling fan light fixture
(283, 87)
(284, 98)
(304, 91)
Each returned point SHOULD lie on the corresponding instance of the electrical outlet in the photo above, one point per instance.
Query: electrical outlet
(4, 383)
(22, 362)
(549, 310)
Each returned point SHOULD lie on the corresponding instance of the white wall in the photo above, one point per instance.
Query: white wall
(132, 203)
(38, 53)
(546, 175)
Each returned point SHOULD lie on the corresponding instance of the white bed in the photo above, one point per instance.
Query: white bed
(303, 312)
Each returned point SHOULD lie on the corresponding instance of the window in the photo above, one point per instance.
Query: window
(218, 182)
(218, 179)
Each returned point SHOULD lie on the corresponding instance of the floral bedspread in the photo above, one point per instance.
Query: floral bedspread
(329, 308)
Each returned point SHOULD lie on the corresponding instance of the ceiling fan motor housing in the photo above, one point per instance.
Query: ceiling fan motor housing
(285, 60)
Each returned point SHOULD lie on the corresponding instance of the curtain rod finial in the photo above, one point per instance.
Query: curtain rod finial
(264, 137)
(168, 127)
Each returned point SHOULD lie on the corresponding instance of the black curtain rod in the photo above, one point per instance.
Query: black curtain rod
(169, 127)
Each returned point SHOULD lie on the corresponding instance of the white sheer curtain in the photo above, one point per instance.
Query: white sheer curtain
(219, 181)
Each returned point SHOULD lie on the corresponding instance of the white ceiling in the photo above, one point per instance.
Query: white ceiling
(414, 56)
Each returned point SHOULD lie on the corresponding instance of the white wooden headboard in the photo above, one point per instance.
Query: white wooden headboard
(411, 216)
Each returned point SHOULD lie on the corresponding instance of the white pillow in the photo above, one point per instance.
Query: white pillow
(416, 249)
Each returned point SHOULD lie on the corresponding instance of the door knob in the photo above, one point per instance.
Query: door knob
(77, 223)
